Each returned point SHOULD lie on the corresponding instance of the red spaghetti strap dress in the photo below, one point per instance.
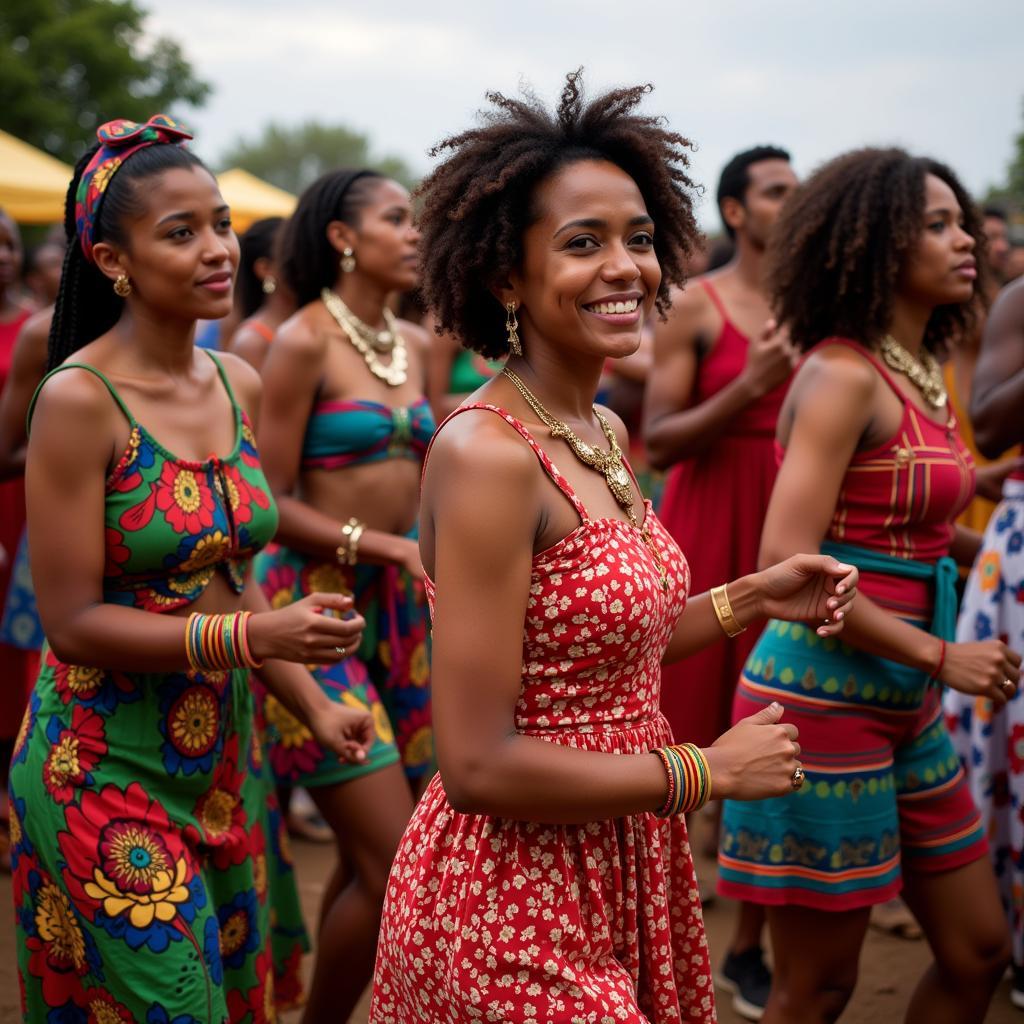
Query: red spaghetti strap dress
(18, 668)
(714, 506)
(490, 919)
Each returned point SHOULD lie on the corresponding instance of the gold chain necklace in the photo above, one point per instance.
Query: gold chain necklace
(608, 463)
(925, 372)
(396, 372)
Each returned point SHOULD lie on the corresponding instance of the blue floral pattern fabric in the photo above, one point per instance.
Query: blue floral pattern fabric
(991, 744)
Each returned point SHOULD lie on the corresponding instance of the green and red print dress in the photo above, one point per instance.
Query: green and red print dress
(151, 879)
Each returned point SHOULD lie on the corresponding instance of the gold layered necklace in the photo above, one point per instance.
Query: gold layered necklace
(369, 342)
(925, 372)
(608, 463)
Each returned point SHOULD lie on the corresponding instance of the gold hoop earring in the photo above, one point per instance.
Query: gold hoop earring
(122, 286)
(512, 327)
(348, 260)
(269, 285)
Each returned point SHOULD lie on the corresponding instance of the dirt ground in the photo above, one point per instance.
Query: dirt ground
(889, 966)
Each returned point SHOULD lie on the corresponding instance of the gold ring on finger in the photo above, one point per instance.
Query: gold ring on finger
(1008, 687)
(797, 778)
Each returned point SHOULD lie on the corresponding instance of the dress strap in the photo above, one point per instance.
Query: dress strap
(258, 327)
(223, 379)
(877, 363)
(716, 299)
(545, 460)
(78, 366)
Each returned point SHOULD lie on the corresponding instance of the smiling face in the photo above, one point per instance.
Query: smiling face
(589, 274)
(385, 238)
(180, 252)
(941, 270)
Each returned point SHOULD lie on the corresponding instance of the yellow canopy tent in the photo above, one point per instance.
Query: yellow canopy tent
(32, 183)
(252, 199)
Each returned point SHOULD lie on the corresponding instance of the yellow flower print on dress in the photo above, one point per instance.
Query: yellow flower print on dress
(142, 880)
(57, 926)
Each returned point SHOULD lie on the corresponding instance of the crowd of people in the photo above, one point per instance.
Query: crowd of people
(511, 524)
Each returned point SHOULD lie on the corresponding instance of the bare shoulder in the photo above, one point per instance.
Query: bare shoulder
(690, 307)
(841, 368)
(78, 403)
(35, 331)
(1008, 309)
(481, 447)
(302, 335)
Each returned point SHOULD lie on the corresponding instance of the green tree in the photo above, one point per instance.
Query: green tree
(291, 158)
(1011, 191)
(70, 65)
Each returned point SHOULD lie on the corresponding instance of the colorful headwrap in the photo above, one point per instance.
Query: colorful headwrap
(119, 139)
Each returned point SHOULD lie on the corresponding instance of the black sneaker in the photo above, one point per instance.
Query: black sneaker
(747, 977)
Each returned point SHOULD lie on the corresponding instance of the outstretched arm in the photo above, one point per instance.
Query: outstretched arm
(483, 483)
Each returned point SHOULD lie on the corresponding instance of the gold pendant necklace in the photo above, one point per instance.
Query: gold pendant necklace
(397, 371)
(608, 463)
(925, 373)
(380, 341)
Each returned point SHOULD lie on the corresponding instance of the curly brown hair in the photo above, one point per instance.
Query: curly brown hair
(842, 239)
(479, 201)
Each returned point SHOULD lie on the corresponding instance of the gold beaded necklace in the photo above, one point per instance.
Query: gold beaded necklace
(925, 373)
(396, 372)
(608, 463)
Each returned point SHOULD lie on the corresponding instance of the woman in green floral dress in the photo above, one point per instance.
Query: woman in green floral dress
(150, 879)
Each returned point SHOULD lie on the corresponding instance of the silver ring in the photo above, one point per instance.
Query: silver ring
(340, 650)
(1009, 687)
(797, 778)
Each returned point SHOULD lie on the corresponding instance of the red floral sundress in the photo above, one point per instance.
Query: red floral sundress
(491, 919)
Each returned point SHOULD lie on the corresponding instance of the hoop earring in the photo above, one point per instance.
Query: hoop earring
(122, 286)
(512, 327)
(269, 285)
(348, 260)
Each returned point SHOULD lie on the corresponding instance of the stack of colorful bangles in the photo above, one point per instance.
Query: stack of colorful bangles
(689, 779)
(219, 642)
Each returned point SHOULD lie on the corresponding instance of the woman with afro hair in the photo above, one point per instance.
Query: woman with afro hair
(873, 271)
(546, 874)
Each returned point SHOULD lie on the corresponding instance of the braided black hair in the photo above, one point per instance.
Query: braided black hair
(479, 200)
(842, 239)
(309, 262)
(86, 305)
(258, 243)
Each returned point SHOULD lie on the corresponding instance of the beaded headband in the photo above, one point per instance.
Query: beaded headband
(118, 140)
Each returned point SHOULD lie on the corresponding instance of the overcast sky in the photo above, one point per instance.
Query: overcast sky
(942, 78)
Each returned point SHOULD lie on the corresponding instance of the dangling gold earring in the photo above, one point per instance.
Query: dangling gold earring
(269, 285)
(348, 261)
(122, 286)
(512, 326)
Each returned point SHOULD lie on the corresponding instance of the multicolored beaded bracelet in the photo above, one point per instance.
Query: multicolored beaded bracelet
(219, 642)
